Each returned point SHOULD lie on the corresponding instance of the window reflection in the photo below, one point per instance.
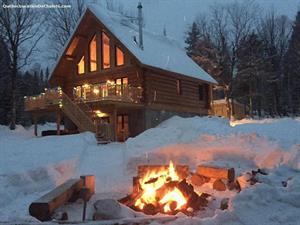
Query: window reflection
(105, 51)
(93, 54)
(80, 66)
(119, 57)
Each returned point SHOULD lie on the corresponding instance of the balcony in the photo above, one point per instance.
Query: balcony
(86, 93)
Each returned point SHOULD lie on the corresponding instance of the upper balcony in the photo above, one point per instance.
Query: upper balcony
(85, 93)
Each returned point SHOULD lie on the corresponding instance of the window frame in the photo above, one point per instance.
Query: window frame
(77, 64)
(94, 36)
(116, 56)
(102, 51)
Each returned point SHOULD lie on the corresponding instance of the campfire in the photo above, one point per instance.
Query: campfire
(164, 189)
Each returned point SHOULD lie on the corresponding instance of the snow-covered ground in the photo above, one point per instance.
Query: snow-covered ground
(30, 166)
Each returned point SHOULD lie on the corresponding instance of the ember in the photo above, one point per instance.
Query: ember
(164, 189)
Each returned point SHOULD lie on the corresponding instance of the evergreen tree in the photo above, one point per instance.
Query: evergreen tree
(292, 69)
(192, 39)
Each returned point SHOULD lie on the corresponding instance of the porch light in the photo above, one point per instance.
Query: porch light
(96, 91)
(100, 114)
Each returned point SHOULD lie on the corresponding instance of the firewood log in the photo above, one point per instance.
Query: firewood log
(215, 172)
(43, 208)
(199, 180)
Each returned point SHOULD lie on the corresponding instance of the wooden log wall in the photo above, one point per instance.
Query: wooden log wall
(161, 89)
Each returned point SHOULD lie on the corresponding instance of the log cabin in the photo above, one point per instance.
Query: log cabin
(116, 79)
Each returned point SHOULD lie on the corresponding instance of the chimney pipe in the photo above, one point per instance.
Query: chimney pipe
(140, 21)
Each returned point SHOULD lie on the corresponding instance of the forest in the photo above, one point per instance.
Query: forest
(254, 57)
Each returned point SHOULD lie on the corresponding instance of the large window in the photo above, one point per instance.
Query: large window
(105, 51)
(119, 57)
(93, 54)
(121, 86)
(80, 66)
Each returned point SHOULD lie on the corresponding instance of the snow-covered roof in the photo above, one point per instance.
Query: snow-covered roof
(159, 51)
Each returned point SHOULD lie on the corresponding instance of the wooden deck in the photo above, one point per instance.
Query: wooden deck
(52, 98)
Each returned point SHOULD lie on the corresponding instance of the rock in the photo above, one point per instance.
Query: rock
(219, 185)
(199, 180)
(233, 186)
(107, 209)
(224, 203)
(284, 183)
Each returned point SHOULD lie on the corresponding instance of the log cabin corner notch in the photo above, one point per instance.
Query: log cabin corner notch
(104, 82)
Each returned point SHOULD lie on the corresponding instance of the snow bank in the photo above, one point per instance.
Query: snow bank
(31, 166)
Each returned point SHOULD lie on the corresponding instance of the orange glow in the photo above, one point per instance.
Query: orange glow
(105, 51)
(80, 66)
(173, 196)
(119, 57)
(93, 54)
(151, 184)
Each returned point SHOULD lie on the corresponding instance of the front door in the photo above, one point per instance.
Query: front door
(122, 127)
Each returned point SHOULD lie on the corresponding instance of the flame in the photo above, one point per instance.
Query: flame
(152, 182)
(173, 196)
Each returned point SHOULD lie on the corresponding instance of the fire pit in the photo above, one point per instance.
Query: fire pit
(164, 189)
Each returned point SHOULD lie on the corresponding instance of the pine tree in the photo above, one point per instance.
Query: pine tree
(192, 39)
(292, 68)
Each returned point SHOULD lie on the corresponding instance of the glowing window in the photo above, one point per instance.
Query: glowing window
(80, 66)
(105, 51)
(119, 57)
(93, 54)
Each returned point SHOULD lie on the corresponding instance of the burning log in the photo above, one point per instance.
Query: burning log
(215, 172)
(181, 170)
(164, 189)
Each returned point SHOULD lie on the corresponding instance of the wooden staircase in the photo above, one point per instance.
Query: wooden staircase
(82, 116)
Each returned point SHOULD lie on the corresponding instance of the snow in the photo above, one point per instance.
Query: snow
(158, 51)
(31, 166)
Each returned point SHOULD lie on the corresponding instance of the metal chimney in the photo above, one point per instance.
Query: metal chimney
(140, 21)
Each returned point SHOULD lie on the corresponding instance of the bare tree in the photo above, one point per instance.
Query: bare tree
(62, 22)
(20, 28)
(275, 31)
(230, 24)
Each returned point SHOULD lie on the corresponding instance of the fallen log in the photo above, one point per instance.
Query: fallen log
(216, 172)
(44, 207)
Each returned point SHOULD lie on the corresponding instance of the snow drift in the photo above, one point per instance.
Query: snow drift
(31, 166)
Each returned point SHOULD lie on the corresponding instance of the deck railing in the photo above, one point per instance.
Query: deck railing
(114, 92)
(53, 97)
